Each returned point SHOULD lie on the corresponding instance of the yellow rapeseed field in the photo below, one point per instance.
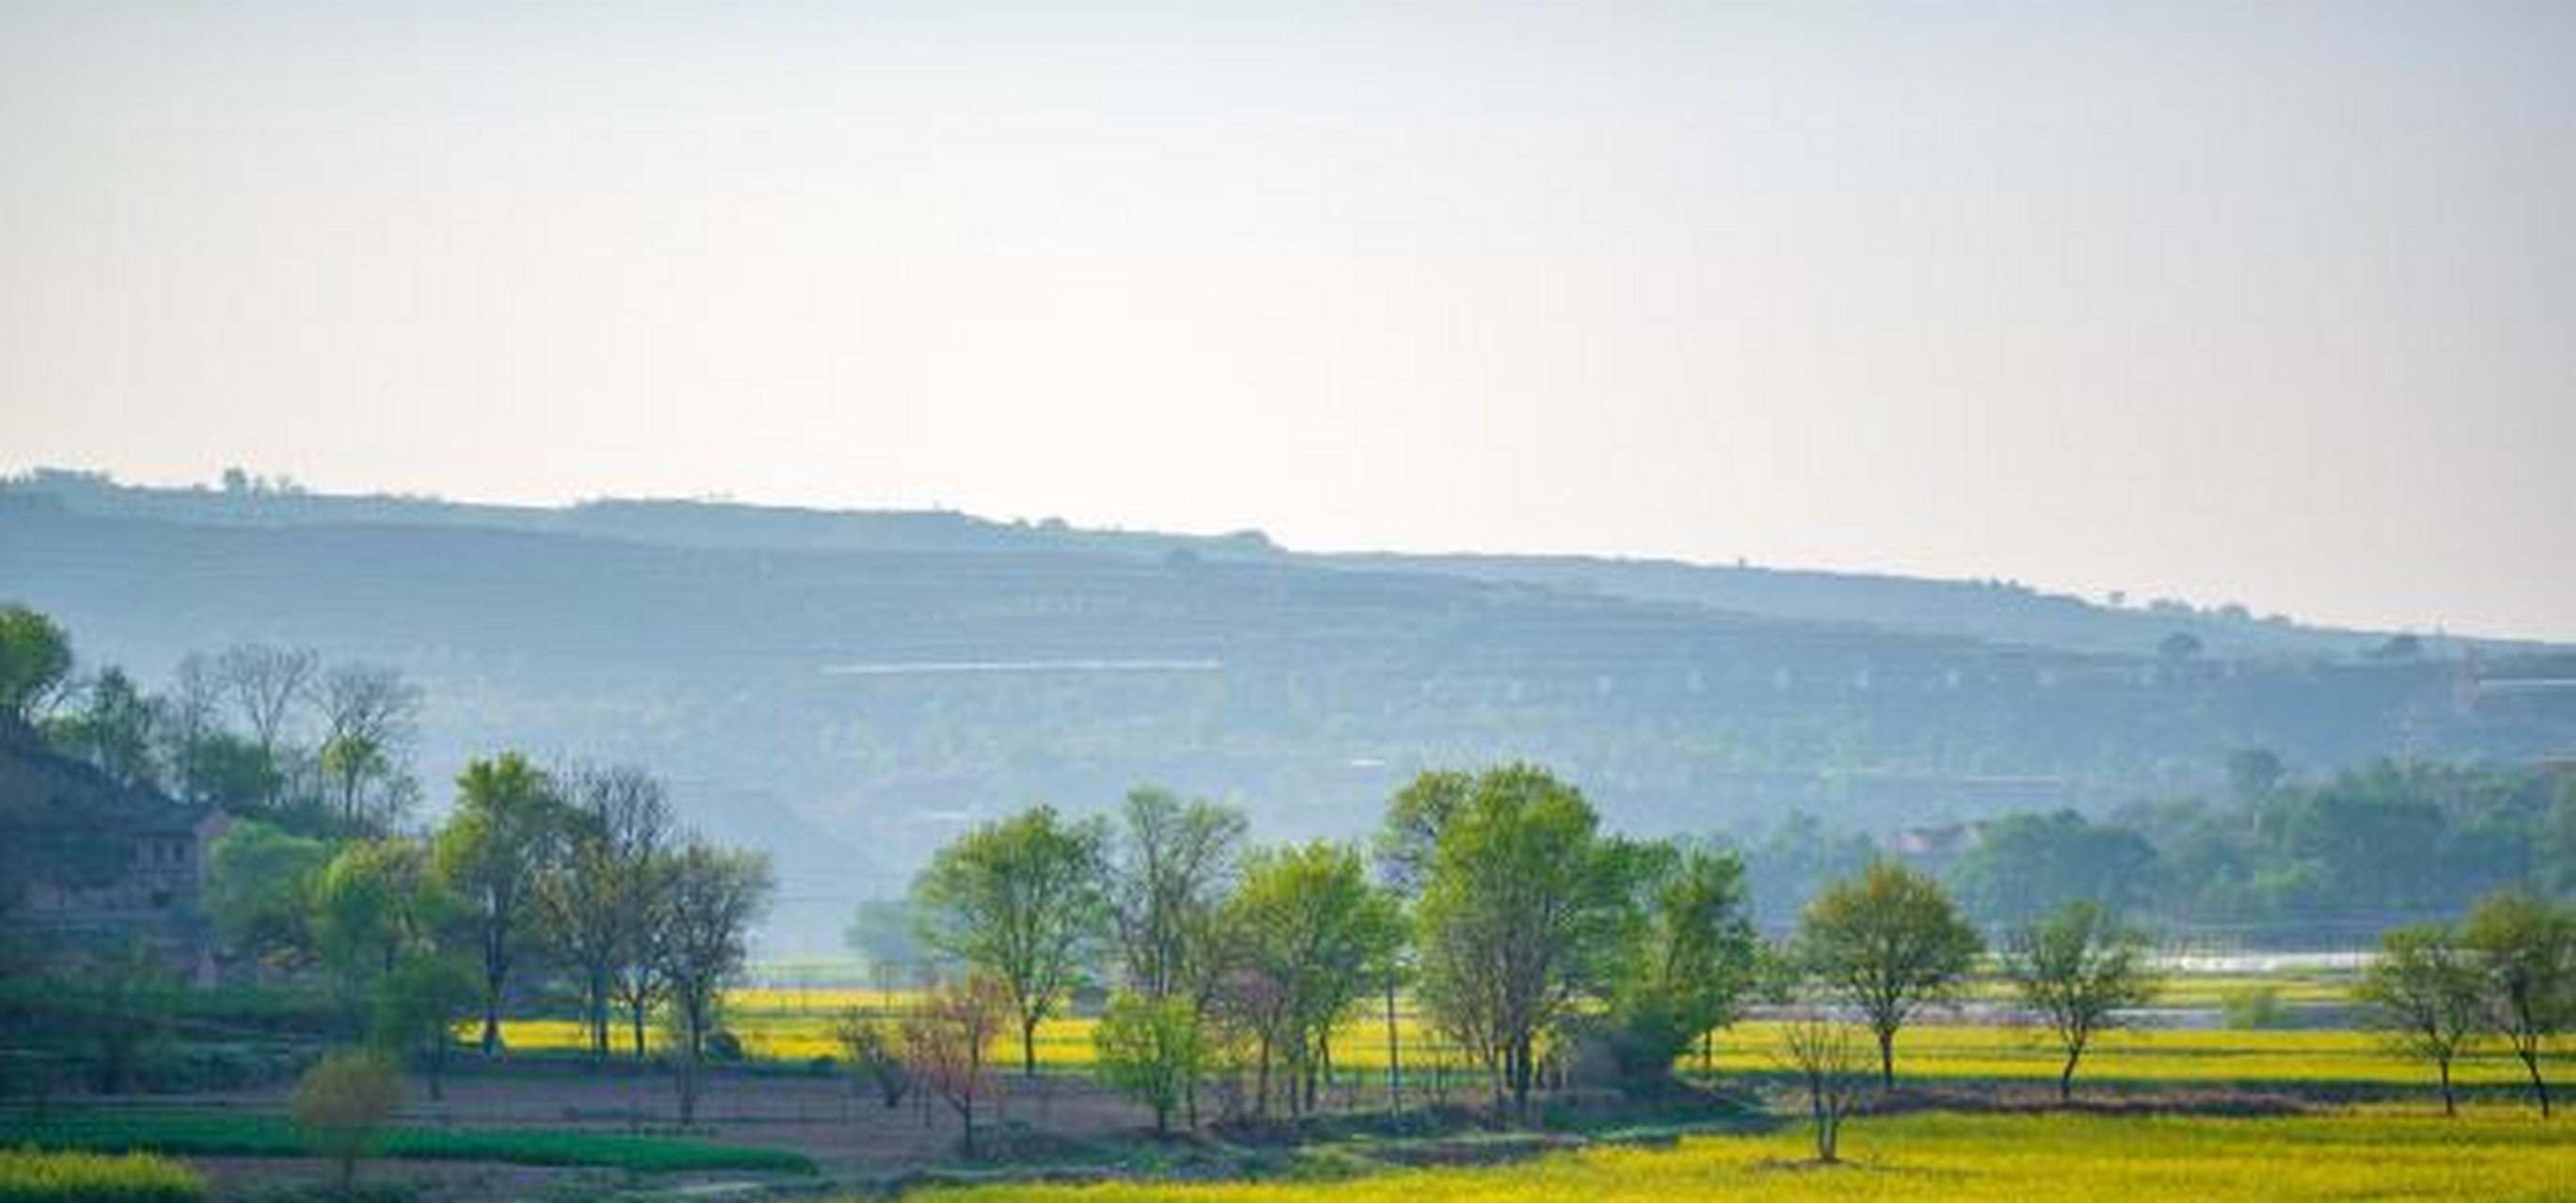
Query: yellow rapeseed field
(796, 1025)
(2487, 1155)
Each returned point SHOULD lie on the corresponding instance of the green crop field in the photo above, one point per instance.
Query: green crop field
(2493, 1156)
(207, 1134)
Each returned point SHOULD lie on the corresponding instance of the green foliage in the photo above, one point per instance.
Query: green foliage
(2428, 995)
(1151, 1050)
(1885, 944)
(1173, 861)
(881, 932)
(2028, 866)
(1021, 900)
(1306, 937)
(28, 1176)
(1694, 963)
(259, 880)
(496, 845)
(342, 1105)
(35, 657)
(1525, 914)
(2527, 948)
(2252, 1008)
(2077, 969)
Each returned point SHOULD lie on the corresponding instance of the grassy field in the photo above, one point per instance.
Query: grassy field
(32, 1176)
(2493, 1156)
(209, 1134)
(796, 1025)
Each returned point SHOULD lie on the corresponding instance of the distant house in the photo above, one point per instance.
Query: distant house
(91, 868)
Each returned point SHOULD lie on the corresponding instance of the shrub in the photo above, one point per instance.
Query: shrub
(724, 1046)
(342, 1104)
(27, 1176)
(2252, 1008)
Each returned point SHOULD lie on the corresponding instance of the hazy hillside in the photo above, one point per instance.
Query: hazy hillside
(846, 690)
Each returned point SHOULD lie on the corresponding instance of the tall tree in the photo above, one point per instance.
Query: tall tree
(2527, 949)
(35, 660)
(946, 1039)
(1696, 961)
(1525, 912)
(265, 685)
(2427, 996)
(616, 822)
(370, 716)
(1887, 943)
(2077, 969)
(498, 842)
(1171, 865)
(717, 894)
(1307, 937)
(113, 728)
(1021, 900)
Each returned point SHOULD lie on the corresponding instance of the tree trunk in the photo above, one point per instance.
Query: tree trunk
(1394, 1057)
(1887, 1059)
(2449, 1105)
(1029, 1047)
(641, 1010)
(2539, 1088)
(2066, 1077)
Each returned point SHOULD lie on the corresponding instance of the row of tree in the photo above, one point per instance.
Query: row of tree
(256, 729)
(1544, 947)
(579, 876)
(2276, 859)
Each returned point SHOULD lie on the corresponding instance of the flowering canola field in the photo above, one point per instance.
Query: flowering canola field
(796, 1025)
(2491, 1155)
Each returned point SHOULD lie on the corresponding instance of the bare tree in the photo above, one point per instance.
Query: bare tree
(945, 1043)
(370, 716)
(264, 685)
(1830, 1061)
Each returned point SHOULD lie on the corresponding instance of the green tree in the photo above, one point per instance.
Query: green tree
(1524, 917)
(1886, 943)
(1695, 963)
(2029, 865)
(615, 823)
(2077, 969)
(341, 1106)
(881, 932)
(113, 729)
(1021, 900)
(498, 843)
(1172, 864)
(35, 659)
(717, 895)
(1151, 1050)
(2527, 949)
(259, 883)
(416, 1008)
(2427, 996)
(370, 906)
(1307, 936)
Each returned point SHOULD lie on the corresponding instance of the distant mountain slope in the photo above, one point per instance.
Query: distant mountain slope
(849, 706)
(1988, 610)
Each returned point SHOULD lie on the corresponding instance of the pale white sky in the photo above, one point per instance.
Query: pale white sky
(2271, 302)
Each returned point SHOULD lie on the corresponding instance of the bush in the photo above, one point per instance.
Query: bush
(2252, 1008)
(724, 1046)
(27, 1176)
(342, 1104)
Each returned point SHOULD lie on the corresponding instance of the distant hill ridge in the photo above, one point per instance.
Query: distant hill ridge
(1995, 611)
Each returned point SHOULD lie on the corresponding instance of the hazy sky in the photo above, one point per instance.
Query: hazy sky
(2268, 302)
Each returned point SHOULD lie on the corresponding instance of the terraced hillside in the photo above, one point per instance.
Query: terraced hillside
(849, 706)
